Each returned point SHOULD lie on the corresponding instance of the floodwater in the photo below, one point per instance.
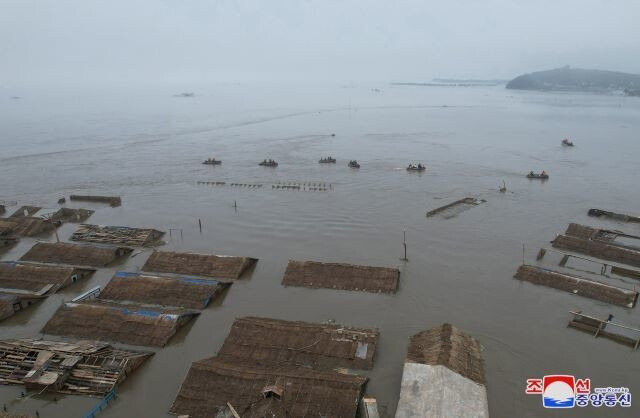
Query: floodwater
(147, 146)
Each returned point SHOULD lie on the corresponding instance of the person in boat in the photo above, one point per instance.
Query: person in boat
(544, 173)
(531, 173)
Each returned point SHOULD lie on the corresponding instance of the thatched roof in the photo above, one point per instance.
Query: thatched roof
(319, 346)
(117, 235)
(304, 392)
(71, 215)
(25, 226)
(446, 345)
(37, 278)
(79, 368)
(208, 265)
(25, 211)
(577, 285)
(124, 323)
(341, 276)
(75, 254)
(151, 289)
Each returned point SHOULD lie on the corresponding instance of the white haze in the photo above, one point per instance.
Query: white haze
(76, 42)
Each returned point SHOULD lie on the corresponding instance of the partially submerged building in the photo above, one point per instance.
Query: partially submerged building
(117, 235)
(207, 265)
(578, 285)
(276, 368)
(119, 322)
(453, 209)
(71, 215)
(24, 226)
(213, 386)
(135, 308)
(443, 376)
(10, 303)
(111, 200)
(341, 276)
(604, 244)
(305, 344)
(75, 254)
(150, 289)
(25, 211)
(38, 279)
(605, 328)
(82, 368)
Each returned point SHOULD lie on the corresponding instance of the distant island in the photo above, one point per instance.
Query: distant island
(453, 82)
(577, 79)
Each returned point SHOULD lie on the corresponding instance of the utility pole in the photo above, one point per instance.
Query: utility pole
(404, 244)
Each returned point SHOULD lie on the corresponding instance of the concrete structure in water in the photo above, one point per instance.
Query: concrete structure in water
(443, 376)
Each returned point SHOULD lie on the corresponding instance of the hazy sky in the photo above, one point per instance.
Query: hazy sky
(86, 41)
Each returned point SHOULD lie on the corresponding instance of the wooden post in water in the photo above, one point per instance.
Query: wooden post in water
(200, 225)
(523, 254)
(404, 244)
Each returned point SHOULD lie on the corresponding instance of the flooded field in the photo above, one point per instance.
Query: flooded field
(148, 146)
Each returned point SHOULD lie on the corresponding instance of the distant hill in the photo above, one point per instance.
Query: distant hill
(577, 79)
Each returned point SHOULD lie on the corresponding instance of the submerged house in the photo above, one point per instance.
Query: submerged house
(207, 265)
(341, 276)
(75, 254)
(22, 284)
(38, 279)
(113, 201)
(11, 303)
(82, 368)
(577, 285)
(25, 226)
(601, 243)
(443, 376)
(135, 308)
(275, 368)
(25, 211)
(117, 235)
(71, 215)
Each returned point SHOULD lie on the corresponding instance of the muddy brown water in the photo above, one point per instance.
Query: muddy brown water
(147, 147)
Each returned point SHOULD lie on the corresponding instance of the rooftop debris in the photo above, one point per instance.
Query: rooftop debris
(75, 254)
(207, 265)
(577, 285)
(25, 211)
(38, 279)
(443, 376)
(124, 323)
(117, 235)
(144, 288)
(605, 328)
(82, 368)
(12, 303)
(111, 200)
(71, 215)
(598, 243)
(325, 347)
(25, 226)
(617, 216)
(269, 367)
(341, 276)
(455, 208)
